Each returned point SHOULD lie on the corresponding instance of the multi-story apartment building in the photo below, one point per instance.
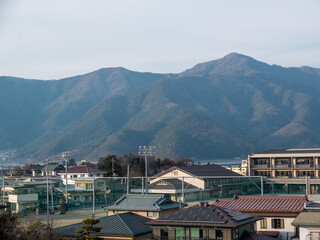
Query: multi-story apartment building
(290, 163)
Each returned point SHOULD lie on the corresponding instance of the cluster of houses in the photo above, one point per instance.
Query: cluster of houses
(264, 198)
(154, 216)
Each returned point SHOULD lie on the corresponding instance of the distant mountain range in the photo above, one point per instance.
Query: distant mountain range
(223, 108)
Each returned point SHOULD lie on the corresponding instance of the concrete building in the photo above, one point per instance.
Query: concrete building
(82, 171)
(285, 163)
(242, 169)
(192, 183)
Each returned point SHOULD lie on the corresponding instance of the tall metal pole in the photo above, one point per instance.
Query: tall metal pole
(47, 194)
(66, 155)
(146, 152)
(261, 186)
(142, 187)
(128, 173)
(307, 190)
(3, 191)
(93, 198)
(182, 190)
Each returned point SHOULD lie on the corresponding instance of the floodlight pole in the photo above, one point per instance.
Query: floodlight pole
(146, 152)
(66, 155)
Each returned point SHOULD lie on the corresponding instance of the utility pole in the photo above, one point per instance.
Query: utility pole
(93, 199)
(3, 191)
(146, 152)
(128, 173)
(66, 155)
(47, 194)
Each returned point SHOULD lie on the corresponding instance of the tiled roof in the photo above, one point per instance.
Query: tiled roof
(171, 183)
(155, 202)
(205, 216)
(272, 204)
(83, 169)
(124, 224)
(212, 170)
(307, 219)
(254, 236)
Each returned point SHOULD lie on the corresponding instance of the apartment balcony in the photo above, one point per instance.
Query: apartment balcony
(304, 167)
(262, 166)
(282, 166)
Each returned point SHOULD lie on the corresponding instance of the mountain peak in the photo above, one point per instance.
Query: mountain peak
(233, 63)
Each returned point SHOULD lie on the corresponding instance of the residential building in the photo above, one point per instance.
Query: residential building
(277, 212)
(242, 169)
(203, 222)
(124, 226)
(191, 183)
(148, 205)
(29, 194)
(50, 169)
(289, 163)
(308, 222)
(81, 171)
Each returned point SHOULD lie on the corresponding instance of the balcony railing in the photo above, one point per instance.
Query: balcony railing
(261, 166)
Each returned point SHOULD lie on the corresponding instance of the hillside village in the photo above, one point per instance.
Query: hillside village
(273, 194)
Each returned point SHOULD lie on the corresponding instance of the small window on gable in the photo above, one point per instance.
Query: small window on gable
(175, 173)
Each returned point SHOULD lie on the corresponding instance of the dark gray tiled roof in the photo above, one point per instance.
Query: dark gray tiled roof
(146, 202)
(212, 170)
(125, 224)
(206, 216)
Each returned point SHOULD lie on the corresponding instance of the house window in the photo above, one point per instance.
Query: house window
(175, 173)
(79, 184)
(219, 234)
(89, 186)
(263, 223)
(150, 214)
(277, 223)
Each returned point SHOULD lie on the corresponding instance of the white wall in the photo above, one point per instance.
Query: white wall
(187, 178)
(282, 232)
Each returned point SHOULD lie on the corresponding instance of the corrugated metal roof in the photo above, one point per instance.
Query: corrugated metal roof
(126, 224)
(272, 204)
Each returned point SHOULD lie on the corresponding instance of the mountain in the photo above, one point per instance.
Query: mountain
(223, 108)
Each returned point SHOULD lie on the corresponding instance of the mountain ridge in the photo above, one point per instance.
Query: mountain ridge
(222, 108)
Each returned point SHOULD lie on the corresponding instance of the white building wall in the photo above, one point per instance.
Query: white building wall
(179, 174)
(288, 228)
(303, 232)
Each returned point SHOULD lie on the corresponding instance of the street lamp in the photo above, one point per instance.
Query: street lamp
(147, 152)
(66, 155)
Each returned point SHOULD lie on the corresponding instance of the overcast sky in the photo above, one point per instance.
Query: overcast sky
(44, 39)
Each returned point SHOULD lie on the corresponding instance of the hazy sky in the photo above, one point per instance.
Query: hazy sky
(46, 39)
